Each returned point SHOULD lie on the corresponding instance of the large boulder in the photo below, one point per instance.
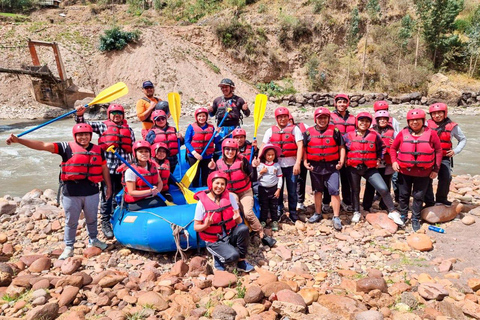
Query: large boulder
(441, 89)
(441, 213)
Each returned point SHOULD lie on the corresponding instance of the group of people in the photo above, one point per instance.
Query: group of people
(338, 150)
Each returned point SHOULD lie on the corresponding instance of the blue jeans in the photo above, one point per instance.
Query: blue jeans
(290, 180)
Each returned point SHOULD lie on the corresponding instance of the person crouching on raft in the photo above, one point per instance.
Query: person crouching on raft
(240, 172)
(83, 167)
(365, 150)
(160, 154)
(217, 220)
(137, 194)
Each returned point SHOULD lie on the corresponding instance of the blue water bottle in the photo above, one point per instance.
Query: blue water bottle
(436, 229)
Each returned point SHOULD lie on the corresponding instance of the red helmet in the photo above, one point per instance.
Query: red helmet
(82, 127)
(438, 107)
(232, 143)
(239, 132)
(290, 117)
(281, 111)
(342, 96)
(159, 145)
(158, 113)
(321, 112)
(215, 175)
(362, 115)
(382, 114)
(201, 110)
(114, 107)
(380, 105)
(141, 144)
(416, 114)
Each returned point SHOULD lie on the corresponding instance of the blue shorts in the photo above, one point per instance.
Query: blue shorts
(331, 181)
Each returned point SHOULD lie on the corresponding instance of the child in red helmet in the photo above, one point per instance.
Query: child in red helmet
(446, 129)
(160, 153)
(83, 167)
(416, 154)
(218, 222)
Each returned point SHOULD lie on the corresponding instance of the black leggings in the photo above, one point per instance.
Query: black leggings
(370, 191)
(233, 247)
(268, 203)
(201, 176)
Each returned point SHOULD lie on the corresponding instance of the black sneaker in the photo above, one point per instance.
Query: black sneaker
(444, 202)
(107, 229)
(416, 225)
(268, 241)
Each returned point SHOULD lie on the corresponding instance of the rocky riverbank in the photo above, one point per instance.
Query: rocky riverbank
(368, 271)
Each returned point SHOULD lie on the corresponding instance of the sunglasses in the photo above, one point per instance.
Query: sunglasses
(117, 113)
(160, 118)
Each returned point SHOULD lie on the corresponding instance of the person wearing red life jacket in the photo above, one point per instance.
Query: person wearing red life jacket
(83, 167)
(218, 222)
(365, 149)
(196, 138)
(446, 129)
(138, 195)
(240, 174)
(163, 132)
(344, 122)
(290, 140)
(384, 128)
(114, 131)
(302, 177)
(416, 154)
(324, 156)
(245, 146)
(160, 154)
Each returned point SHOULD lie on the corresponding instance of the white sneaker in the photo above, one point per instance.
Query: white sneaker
(395, 216)
(356, 217)
(67, 252)
(97, 243)
(300, 206)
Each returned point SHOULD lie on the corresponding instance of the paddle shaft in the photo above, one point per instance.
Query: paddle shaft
(253, 150)
(48, 122)
(213, 135)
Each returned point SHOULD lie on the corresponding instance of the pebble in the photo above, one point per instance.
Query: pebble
(468, 220)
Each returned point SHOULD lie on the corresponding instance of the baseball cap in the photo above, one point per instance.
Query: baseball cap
(147, 84)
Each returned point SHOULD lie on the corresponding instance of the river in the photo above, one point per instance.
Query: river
(22, 169)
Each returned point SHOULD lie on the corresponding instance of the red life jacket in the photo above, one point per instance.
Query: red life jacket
(83, 164)
(164, 170)
(285, 140)
(222, 215)
(322, 146)
(444, 134)
(238, 181)
(387, 137)
(341, 124)
(416, 151)
(151, 175)
(301, 126)
(116, 135)
(169, 137)
(246, 150)
(201, 137)
(362, 149)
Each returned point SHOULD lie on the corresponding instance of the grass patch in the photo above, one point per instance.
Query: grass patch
(210, 64)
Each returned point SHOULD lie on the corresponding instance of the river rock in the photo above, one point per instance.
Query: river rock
(343, 306)
(71, 265)
(69, 294)
(46, 312)
(474, 283)
(28, 260)
(369, 315)
(179, 269)
(110, 280)
(420, 242)
(223, 279)
(432, 291)
(253, 294)
(153, 299)
(223, 312)
(199, 265)
(471, 309)
(41, 264)
(75, 281)
(274, 287)
(441, 89)
(265, 277)
(7, 207)
(468, 220)
(309, 295)
(371, 283)
(41, 284)
(3, 238)
(291, 297)
(91, 252)
(381, 220)
(6, 274)
(441, 213)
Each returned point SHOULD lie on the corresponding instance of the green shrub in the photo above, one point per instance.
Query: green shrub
(17, 5)
(116, 39)
(293, 29)
(273, 89)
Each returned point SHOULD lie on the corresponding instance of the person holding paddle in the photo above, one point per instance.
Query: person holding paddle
(146, 105)
(114, 131)
(83, 167)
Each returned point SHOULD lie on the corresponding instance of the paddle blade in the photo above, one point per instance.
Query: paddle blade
(169, 204)
(175, 107)
(187, 193)
(111, 93)
(259, 111)
(190, 175)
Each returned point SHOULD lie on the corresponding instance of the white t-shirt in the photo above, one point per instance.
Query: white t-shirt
(285, 161)
(130, 175)
(200, 209)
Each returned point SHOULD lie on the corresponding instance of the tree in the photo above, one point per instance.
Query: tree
(353, 36)
(473, 43)
(437, 19)
(405, 34)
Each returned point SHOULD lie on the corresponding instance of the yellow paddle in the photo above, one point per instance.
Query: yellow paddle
(111, 93)
(175, 109)
(258, 114)
(187, 193)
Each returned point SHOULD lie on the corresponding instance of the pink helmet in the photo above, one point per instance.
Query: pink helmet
(114, 107)
(232, 143)
(438, 107)
(281, 111)
(159, 145)
(290, 117)
(416, 114)
(158, 113)
(278, 151)
(382, 114)
(81, 128)
(140, 144)
(322, 111)
(239, 132)
(201, 110)
(362, 115)
(215, 175)
(380, 105)
(342, 96)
